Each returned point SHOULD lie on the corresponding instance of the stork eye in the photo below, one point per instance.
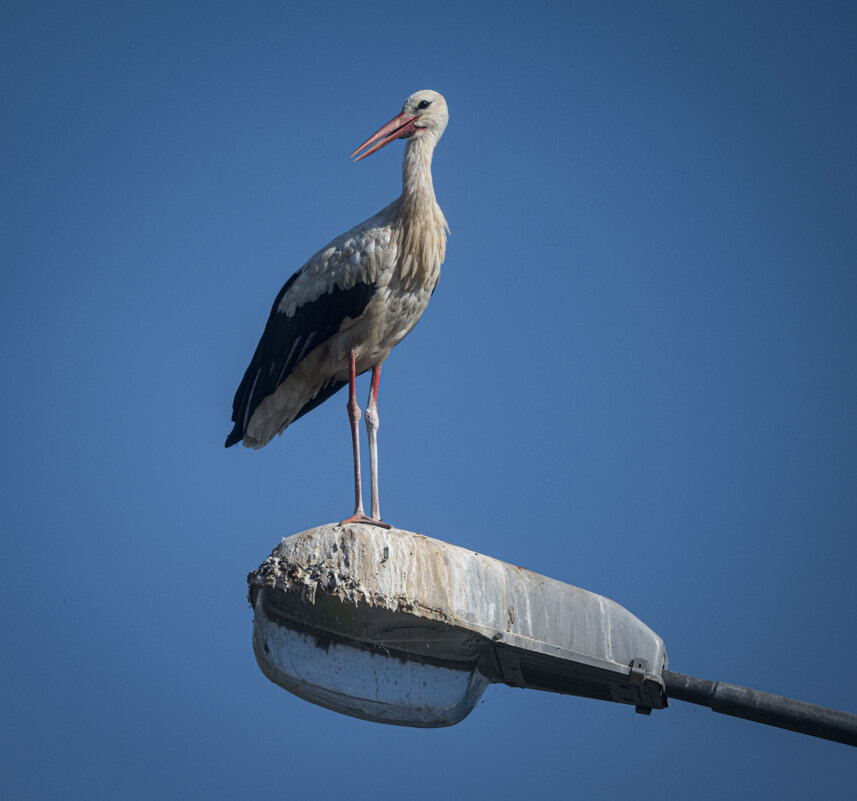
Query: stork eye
(424, 104)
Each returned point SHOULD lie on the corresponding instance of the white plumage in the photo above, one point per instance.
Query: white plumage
(342, 312)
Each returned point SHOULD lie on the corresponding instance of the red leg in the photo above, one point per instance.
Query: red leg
(372, 423)
(354, 418)
(359, 515)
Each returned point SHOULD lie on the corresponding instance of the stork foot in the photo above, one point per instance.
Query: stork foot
(359, 517)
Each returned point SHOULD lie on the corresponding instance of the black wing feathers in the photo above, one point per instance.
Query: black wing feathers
(287, 340)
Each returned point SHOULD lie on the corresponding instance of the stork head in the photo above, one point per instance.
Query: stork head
(424, 114)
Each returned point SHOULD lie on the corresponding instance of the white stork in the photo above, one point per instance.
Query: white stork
(342, 312)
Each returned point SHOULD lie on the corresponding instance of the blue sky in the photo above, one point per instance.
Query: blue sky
(638, 375)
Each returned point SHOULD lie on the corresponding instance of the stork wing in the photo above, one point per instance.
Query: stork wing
(334, 286)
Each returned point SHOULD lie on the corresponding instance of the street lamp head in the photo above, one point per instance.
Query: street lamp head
(395, 627)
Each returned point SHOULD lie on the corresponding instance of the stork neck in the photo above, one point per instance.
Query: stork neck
(417, 186)
(420, 226)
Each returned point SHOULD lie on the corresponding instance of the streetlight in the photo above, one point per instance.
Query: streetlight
(395, 627)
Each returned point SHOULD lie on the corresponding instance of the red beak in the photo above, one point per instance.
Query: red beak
(400, 127)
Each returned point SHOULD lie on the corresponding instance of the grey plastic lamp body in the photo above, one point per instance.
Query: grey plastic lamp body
(395, 627)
